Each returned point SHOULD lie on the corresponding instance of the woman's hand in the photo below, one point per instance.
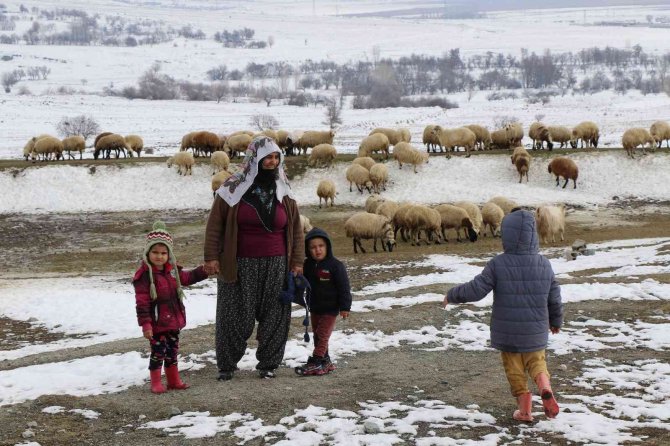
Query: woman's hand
(344, 314)
(148, 334)
(297, 270)
(212, 267)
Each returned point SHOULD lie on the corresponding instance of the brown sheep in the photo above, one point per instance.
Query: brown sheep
(587, 132)
(660, 131)
(521, 160)
(205, 143)
(187, 141)
(540, 134)
(566, 168)
(637, 137)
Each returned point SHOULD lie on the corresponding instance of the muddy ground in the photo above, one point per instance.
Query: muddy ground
(98, 244)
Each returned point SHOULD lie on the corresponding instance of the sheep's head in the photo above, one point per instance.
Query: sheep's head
(388, 239)
(170, 161)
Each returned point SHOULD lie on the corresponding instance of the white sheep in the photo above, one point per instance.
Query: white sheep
(364, 161)
(360, 176)
(430, 139)
(474, 213)
(422, 218)
(483, 136)
(220, 161)
(322, 155)
(326, 190)
(492, 216)
(218, 179)
(587, 132)
(550, 221)
(514, 133)
(404, 152)
(377, 142)
(635, 137)
(366, 226)
(458, 137)
(505, 203)
(135, 144)
(660, 130)
(387, 208)
(560, 134)
(457, 218)
(74, 143)
(312, 138)
(373, 202)
(46, 147)
(306, 224)
(540, 134)
(236, 144)
(379, 176)
(394, 136)
(184, 162)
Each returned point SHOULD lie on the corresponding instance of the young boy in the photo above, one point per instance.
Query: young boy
(330, 295)
(159, 303)
(526, 305)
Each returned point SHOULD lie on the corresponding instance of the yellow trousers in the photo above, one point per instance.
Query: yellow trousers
(520, 366)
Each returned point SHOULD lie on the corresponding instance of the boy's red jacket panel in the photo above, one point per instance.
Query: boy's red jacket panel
(167, 312)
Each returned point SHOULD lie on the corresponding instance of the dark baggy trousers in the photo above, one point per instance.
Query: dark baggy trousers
(254, 297)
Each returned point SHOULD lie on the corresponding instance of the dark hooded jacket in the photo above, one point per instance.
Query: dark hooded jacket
(526, 295)
(328, 279)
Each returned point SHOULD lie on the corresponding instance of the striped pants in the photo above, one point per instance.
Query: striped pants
(254, 297)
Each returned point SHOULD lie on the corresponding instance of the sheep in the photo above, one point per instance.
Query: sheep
(514, 133)
(457, 218)
(364, 161)
(499, 139)
(101, 135)
(205, 143)
(379, 175)
(237, 144)
(47, 146)
(135, 144)
(282, 135)
(220, 161)
(492, 216)
(401, 220)
(521, 159)
(243, 132)
(660, 131)
(360, 176)
(550, 221)
(482, 134)
(326, 189)
(405, 134)
(30, 145)
(453, 138)
(387, 208)
(269, 133)
(187, 141)
(377, 142)
(566, 168)
(218, 179)
(635, 137)
(292, 141)
(430, 139)
(404, 153)
(373, 202)
(560, 134)
(322, 155)
(474, 213)
(587, 132)
(312, 138)
(184, 162)
(74, 143)
(394, 136)
(108, 143)
(366, 226)
(540, 134)
(504, 203)
(306, 224)
(423, 218)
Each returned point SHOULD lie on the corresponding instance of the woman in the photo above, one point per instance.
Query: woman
(253, 237)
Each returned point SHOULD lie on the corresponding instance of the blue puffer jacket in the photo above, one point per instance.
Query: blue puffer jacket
(526, 296)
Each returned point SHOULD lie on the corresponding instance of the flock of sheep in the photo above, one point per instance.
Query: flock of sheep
(47, 147)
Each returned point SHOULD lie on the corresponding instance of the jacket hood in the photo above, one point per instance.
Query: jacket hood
(317, 232)
(518, 233)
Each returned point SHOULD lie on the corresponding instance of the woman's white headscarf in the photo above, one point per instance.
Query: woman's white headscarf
(237, 184)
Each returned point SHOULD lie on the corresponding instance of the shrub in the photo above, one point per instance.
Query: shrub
(82, 125)
(298, 99)
(263, 122)
(500, 95)
(428, 101)
(503, 120)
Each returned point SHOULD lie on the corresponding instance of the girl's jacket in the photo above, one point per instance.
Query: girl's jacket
(167, 312)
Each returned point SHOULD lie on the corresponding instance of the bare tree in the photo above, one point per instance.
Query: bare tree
(219, 90)
(267, 94)
(333, 114)
(271, 41)
(9, 79)
(82, 125)
(263, 122)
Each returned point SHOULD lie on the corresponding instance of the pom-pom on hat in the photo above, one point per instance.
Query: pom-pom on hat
(160, 235)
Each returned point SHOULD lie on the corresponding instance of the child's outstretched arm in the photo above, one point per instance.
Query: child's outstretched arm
(474, 290)
(193, 276)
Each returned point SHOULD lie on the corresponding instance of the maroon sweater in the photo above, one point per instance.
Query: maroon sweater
(253, 240)
(167, 312)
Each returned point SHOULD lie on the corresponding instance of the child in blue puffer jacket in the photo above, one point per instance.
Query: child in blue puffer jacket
(526, 306)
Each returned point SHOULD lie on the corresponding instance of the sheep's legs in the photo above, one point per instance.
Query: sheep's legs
(557, 180)
(574, 181)
(566, 182)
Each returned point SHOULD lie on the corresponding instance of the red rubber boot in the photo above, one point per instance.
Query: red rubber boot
(156, 383)
(525, 403)
(548, 400)
(174, 382)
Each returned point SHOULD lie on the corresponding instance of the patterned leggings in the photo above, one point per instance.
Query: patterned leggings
(254, 297)
(164, 349)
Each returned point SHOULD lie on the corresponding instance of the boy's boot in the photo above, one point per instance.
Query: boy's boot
(174, 382)
(548, 400)
(156, 384)
(314, 366)
(525, 403)
(328, 364)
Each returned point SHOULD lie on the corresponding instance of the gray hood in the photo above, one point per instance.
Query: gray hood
(518, 233)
